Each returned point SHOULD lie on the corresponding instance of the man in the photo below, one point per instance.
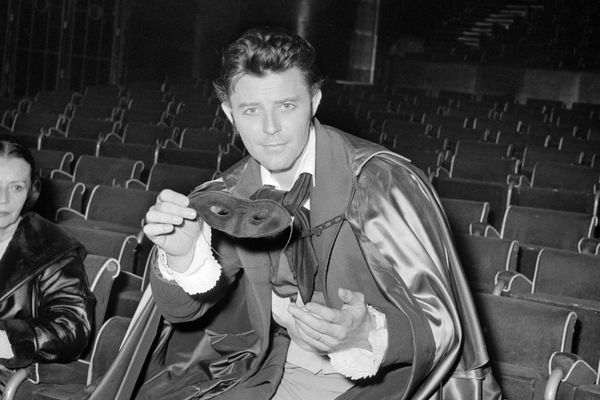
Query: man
(387, 314)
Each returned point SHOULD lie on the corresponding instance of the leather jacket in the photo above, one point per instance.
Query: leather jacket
(46, 306)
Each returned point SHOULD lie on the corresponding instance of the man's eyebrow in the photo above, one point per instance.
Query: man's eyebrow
(288, 100)
(244, 105)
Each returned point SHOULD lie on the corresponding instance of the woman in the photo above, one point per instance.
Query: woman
(46, 306)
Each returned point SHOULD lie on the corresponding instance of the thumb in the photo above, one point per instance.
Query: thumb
(351, 298)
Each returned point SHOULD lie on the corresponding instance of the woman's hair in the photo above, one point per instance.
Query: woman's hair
(262, 50)
(11, 149)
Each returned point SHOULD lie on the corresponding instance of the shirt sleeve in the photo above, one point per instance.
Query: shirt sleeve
(356, 363)
(204, 270)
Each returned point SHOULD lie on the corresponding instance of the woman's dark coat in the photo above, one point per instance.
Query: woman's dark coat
(46, 307)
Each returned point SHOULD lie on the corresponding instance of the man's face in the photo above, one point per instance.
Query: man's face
(272, 113)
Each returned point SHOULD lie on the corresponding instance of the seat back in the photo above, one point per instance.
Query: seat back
(427, 161)
(495, 193)
(403, 128)
(403, 144)
(139, 133)
(534, 154)
(487, 169)
(120, 206)
(87, 128)
(34, 123)
(77, 146)
(48, 160)
(106, 170)
(204, 139)
(482, 257)
(569, 177)
(101, 272)
(512, 330)
(470, 148)
(191, 158)
(462, 213)
(100, 242)
(58, 193)
(181, 179)
(132, 151)
(567, 273)
(564, 200)
(544, 227)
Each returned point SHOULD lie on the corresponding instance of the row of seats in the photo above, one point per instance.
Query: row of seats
(510, 322)
(519, 188)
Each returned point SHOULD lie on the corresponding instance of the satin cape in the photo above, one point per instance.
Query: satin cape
(375, 209)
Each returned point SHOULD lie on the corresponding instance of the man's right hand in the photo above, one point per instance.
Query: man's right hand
(173, 226)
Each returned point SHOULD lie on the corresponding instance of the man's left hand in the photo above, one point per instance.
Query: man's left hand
(327, 330)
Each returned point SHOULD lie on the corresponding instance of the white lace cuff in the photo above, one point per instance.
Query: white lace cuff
(204, 270)
(359, 363)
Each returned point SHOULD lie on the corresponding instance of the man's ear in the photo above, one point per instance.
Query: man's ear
(316, 100)
(226, 107)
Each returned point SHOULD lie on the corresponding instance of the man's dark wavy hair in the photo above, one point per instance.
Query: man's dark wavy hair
(263, 50)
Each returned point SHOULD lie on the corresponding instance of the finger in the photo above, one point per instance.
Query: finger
(316, 324)
(155, 230)
(314, 339)
(170, 196)
(329, 314)
(154, 216)
(174, 209)
(351, 298)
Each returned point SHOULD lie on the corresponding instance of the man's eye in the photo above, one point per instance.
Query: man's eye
(18, 188)
(250, 110)
(288, 106)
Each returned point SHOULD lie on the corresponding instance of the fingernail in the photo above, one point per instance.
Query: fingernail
(191, 214)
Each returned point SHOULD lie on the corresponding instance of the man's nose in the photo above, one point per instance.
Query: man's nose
(271, 123)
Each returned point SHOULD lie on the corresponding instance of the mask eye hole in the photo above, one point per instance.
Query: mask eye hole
(218, 210)
(259, 216)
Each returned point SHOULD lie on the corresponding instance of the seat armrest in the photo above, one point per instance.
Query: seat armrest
(10, 390)
(56, 132)
(66, 213)
(112, 137)
(567, 368)
(518, 180)
(60, 174)
(171, 144)
(483, 229)
(135, 184)
(440, 172)
(589, 246)
(511, 281)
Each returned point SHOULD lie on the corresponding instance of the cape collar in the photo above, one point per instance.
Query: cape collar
(35, 244)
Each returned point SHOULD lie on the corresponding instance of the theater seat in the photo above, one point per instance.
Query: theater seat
(462, 213)
(111, 208)
(521, 336)
(483, 257)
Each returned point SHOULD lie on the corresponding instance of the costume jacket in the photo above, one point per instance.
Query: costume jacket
(380, 231)
(46, 307)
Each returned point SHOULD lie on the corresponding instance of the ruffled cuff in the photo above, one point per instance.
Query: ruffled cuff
(204, 270)
(356, 363)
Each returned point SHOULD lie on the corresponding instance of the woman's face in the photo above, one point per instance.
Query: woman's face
(15, 183)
